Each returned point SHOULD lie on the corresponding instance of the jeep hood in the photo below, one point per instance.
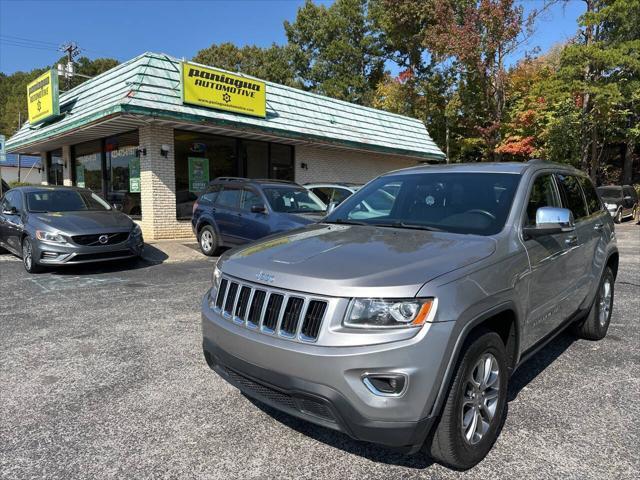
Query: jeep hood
(349, 260)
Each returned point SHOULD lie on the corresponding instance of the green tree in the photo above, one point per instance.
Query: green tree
(273, 63)
(602, 68)
(335, 50)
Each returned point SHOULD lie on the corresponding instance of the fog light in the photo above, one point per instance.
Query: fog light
(386, 385)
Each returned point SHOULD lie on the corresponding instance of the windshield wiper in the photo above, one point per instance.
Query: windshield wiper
(342, 221)
(413, 226)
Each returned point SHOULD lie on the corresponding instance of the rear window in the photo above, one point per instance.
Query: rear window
(610, 192)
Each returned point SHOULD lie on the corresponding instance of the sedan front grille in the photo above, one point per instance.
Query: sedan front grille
(95, 239)
(273, 312)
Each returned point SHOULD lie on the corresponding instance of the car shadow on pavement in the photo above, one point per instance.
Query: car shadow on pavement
(150, 257)
(533, 367)
(342, 441)
(376, 453)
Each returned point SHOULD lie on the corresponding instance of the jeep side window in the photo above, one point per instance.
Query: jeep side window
(572, 195)
(543, 194)
(593, 201)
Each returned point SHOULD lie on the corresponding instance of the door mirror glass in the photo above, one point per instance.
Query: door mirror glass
(551, 220)
(258, 208)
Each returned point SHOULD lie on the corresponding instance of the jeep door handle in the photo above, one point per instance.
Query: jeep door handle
(598, 226)
(571, 240)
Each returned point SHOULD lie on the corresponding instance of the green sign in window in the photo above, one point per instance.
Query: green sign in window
(198, 174)
(134, 174)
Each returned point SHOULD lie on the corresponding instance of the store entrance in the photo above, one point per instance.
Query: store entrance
(111, 169)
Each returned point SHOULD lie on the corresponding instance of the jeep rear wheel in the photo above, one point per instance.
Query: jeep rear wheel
(474, 409)
(596, 324)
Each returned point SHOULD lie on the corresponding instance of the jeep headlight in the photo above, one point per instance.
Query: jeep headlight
(388, 313)
(217, 275)
(213, 291)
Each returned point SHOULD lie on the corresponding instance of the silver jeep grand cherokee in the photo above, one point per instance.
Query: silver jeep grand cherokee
(402, 324)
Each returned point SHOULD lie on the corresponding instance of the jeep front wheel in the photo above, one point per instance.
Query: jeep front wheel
(474, 409)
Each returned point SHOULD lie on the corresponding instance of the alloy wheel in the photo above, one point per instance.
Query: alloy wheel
(604, 300)
(480, 399)
(27, 254)
(206, 240)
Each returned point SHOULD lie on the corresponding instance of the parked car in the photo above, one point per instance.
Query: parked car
(333, 193)
(53, 226)
(621, 201)
(234, 211)
(404, 328)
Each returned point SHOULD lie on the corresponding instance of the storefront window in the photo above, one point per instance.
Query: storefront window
(200, 158)
(123, 167)
(256, 158)
(55, 168)
(281, 162)
(88, 166)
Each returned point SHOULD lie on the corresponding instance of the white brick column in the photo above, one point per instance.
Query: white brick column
(67, 169)
(158, 186)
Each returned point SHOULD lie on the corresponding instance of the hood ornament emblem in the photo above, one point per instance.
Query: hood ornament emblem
(264, 277)
(103, 239)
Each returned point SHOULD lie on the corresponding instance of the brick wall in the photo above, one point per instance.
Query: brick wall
(158, 186)
(332, 165)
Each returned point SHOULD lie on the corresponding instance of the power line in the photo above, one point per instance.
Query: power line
(22, 39)
(24, 45)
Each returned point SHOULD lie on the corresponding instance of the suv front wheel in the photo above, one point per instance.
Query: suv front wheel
(474, 409)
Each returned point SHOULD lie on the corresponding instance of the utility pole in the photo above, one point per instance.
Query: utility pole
(19, 125)
(72, 50)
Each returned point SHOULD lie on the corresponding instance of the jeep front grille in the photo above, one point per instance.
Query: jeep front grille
(271, 311)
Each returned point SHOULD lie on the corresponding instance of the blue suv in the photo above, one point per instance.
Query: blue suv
(233, 211)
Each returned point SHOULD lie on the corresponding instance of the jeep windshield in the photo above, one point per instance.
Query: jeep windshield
(293, 200)
(467, 203)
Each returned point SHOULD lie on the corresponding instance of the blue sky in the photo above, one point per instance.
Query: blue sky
(30, 31)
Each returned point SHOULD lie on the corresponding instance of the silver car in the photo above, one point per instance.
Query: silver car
(402, 326)
(53, 226)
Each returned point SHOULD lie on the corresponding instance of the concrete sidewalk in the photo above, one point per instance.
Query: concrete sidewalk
(183, 250)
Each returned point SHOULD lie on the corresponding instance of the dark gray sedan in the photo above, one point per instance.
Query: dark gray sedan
(50, 226)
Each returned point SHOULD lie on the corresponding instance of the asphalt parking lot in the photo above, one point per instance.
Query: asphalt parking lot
(102, 376)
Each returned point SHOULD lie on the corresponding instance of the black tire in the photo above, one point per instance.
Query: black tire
(595, 324)
(208, 240)
(618, 217)
(448, 445)
(30, 265)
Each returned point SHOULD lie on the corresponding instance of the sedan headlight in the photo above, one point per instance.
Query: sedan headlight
(50, 237)
(136, 229)
(388, 313)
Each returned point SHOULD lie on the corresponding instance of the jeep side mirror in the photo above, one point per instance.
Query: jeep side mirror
(258, 208)
(551, 220)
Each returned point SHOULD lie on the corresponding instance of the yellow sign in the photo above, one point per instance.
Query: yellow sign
(213, 88)
(42, 97)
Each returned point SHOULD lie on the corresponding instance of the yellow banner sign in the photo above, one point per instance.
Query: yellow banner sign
(42, 97)
(213, 88)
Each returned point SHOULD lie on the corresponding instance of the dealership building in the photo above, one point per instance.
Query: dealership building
(149, 134)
